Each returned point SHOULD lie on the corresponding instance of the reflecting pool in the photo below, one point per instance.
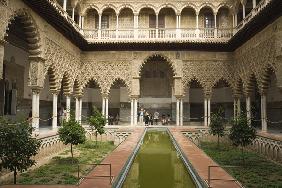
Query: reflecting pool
(157, 165)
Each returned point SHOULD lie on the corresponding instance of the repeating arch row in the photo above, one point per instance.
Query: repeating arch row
(156, 8)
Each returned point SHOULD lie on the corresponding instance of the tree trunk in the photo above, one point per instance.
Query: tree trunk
(71, 154)
(96, 138)
(15, 176)
(242, 151)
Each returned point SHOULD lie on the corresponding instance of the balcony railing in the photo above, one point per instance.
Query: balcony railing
(170, 34)
(262, 4)
(157, 34)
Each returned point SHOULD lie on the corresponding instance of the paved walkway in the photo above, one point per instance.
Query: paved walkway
(117, 158)
(200, 161)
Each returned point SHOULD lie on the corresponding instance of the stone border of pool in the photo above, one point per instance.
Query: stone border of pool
(200, 161)
(199, 182)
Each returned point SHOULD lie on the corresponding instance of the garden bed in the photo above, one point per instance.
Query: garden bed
(257, 171)
(62, 170)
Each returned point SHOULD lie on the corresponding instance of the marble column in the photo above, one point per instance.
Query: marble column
(263, 113)
(205, 112)
(248, 109)
(77, 108)
(132, 112)
(55, 111)
(157, 25)
(181, 113)
(35, 109)
(215, 25)
(209, 111)
(177, 111)
(107, 110)
(80, 109)
(65, 5)
(100, 26)
(244, 11)
(68, 107)
(103, 106)
(254, 3)
(136, 25)
(135, 111)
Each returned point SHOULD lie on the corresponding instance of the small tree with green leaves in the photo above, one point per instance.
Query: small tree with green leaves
(217, 124)
(71, 132)
(17, 146)
(97, 122)
(241, 133)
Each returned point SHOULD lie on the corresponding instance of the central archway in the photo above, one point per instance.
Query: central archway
(156, 90)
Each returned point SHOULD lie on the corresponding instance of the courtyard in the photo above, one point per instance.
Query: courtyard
(140, 94)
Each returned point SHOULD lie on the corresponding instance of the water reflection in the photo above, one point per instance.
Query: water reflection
(157, 165)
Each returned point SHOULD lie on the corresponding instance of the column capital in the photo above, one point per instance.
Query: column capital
(105, 96)
(77, 96)
(136, 13)
(36, 90)
(54, 92)
(134, 97)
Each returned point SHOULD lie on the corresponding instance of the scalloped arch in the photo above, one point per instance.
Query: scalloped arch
(127, 85)
(164, 57)
(30, 28)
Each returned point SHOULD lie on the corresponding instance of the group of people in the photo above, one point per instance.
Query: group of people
(153, 118)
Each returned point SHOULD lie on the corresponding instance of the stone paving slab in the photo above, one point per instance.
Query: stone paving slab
(200, 161)
(117, 158)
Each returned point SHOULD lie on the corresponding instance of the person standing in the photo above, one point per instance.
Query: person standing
(156, 117)
(146, 118)
(141, 118)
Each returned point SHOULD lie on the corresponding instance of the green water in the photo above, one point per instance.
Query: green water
(157, 165)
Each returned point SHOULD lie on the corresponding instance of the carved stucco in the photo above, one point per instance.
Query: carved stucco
(255, 57)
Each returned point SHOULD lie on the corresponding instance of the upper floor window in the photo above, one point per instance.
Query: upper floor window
(208, 20)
